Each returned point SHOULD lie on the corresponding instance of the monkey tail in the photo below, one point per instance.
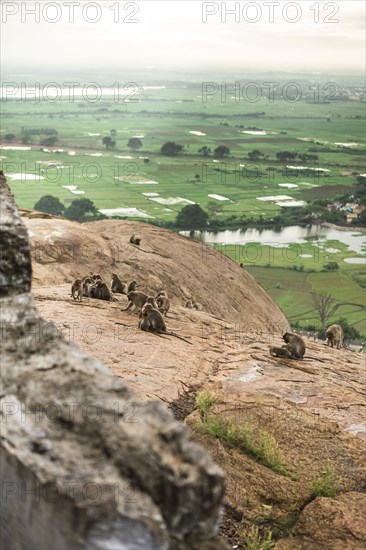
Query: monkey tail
(177, 336)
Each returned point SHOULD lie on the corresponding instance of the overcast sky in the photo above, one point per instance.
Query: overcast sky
(172, 35)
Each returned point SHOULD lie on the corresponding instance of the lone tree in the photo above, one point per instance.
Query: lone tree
(171, 149)
(109, 142)
(325, 307)
(50, 205)
(221, 151)
(49, 141)
(255, 155)
(192, 217)
(81, 210)
(134, 143)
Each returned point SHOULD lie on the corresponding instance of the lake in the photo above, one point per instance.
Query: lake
(284, 236)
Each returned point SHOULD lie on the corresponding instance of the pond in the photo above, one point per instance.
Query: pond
(284, 236)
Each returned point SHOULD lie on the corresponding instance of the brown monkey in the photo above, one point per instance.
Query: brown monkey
(135, 240)
(101, 291)
(77, 290)
(150, 300)
(163, 302)
(335, 335)
(87, 286)
(132, 287)
(136, 299)
(193, 304)
(117, 286)
(152, 320)
(294, 348)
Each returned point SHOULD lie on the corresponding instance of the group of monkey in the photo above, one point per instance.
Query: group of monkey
(151, 309)
(295, 345)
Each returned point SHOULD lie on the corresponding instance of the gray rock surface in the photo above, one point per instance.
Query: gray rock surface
(84, 464)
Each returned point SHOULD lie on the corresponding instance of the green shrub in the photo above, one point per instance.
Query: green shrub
(252, 540)
(327, 485)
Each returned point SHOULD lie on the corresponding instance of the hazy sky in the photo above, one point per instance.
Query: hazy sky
(172, 35)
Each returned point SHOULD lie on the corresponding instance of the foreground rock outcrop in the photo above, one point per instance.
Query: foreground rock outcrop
(331, 523)
(84, 464)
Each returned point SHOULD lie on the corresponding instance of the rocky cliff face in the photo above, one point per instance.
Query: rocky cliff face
(85, 464)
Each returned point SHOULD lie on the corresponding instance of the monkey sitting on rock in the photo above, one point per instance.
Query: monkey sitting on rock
(193, 304)
(136, 299)
(293, 349)
(334, 335)
(77, 289)
(135, 240)
(163, 302)
(152, 320)
(117, 286)
(101, 291)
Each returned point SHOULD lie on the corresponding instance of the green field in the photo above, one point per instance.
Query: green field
(170, 114)
(290, 279)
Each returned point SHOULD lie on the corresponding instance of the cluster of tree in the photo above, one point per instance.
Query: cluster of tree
(80, 210)
(220, 152)
(39, 131)
(286, 156)
(331, 266)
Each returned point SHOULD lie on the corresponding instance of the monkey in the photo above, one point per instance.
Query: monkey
(77, 290)
(87, 284)
(135, 240)
(96, 278)
(132, 287)
(152, 320)
(136, 299)
(193, 304)
(163, 302)
(101, 291)
(335, 335)
(150, 300)
(294, 348)
(117, 286)
(144, 323)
